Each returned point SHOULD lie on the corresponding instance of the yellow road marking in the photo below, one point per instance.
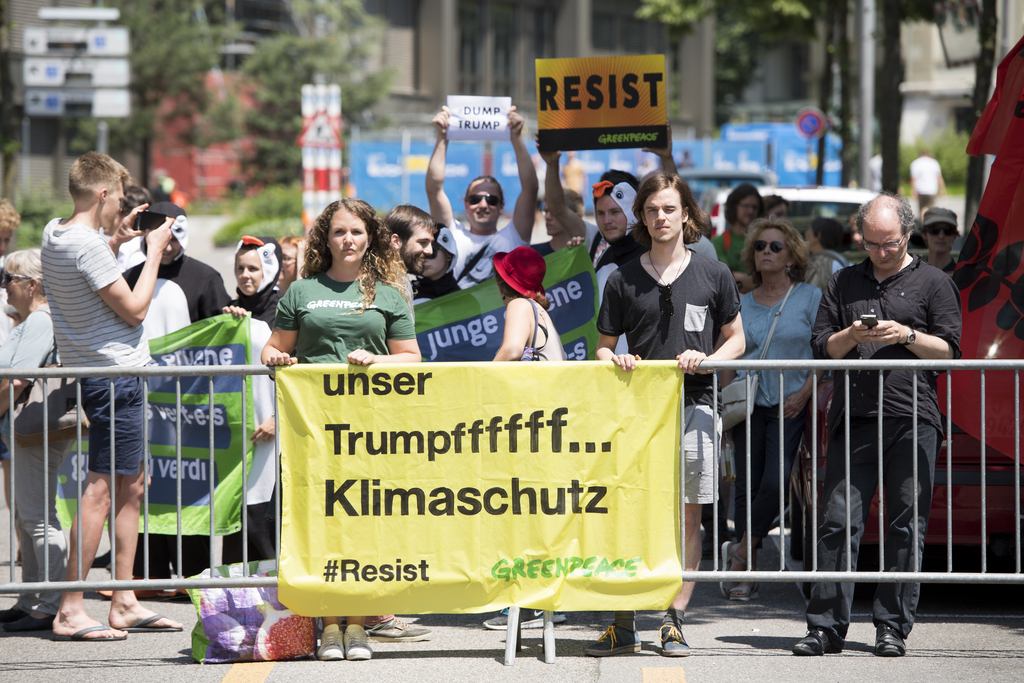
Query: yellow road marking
(663, 674)
(248, 672)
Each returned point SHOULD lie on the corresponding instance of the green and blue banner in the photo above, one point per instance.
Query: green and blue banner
(222, 340)
(469, 325)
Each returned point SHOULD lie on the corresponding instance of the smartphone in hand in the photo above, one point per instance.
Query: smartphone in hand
(148, 220)
(869, 320)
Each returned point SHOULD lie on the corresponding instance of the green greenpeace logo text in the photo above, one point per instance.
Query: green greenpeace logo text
(549, 568)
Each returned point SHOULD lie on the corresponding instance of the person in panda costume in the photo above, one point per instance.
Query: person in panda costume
(187, 290)
(257, 269)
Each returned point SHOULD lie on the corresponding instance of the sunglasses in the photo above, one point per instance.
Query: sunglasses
(7, 278)
(947, 230)
(665, 300)
(761, 245)
(492, 200)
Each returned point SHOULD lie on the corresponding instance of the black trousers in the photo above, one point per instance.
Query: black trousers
(764, 467)
(895, 604)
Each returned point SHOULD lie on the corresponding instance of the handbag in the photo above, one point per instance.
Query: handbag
(736, 408)
(60, 396)
(62, 413)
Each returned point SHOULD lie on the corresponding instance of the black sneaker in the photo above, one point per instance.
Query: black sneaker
(888, 643)
(815, 644)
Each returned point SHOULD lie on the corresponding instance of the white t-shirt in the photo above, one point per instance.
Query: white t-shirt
(77, 263)
(925, 172)
(168, 312)
(469, 244)
(262, 473)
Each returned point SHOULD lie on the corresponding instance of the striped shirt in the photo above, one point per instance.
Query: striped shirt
(77, 263)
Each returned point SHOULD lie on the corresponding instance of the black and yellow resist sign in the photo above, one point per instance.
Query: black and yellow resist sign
(601, 102)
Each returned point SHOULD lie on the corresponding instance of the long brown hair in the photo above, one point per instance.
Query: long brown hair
(381, 262)
(692, 229)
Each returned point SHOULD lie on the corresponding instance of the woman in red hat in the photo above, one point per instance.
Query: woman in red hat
(529, 332)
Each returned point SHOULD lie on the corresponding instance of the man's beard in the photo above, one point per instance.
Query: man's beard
(413, 262)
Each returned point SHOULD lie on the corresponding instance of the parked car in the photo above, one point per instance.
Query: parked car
(806, 204)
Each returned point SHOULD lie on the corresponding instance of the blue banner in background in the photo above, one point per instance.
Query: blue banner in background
(794, 160)
(376, 170)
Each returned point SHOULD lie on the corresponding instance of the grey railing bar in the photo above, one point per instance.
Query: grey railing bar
(112, 524)
(245, 478)
(145, 469)
(914, 479)
(881, 476)
(949, 472)
(209, 420)
(715, 473)
(10, 494)
(746, 457)
(1016, 464)
(78, 481)
(846, 423)
(782, 477)
(682, 474)
(147, 371)
(177, 453)
(984, 504)
(814, 474)
(46, 483)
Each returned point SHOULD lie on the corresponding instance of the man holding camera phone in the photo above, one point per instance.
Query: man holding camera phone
(891, 306)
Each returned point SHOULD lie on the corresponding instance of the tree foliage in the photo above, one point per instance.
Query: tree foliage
(337, 41)
(173, 51)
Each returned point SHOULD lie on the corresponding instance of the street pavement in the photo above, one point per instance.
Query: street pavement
(966, 633)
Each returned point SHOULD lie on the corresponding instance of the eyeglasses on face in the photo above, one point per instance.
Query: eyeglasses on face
(6, 278)
(947, 230)
(761, 245)
(665, 300)
(476, 198)
(887, 246)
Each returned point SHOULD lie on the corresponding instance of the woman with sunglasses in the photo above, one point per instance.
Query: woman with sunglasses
(31, 345)
(940, 231)
(775, 257)
(350, 307)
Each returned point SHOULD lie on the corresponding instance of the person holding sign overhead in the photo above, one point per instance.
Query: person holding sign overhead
(484, 200)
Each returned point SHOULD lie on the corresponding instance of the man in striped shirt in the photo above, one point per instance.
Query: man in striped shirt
(97, 322)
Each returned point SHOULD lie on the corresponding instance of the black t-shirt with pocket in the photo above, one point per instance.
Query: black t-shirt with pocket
(704, 298)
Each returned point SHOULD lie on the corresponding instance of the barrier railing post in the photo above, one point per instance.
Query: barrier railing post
(549, 637)
(916, 479)
(881, 479)
(949, 471)
(10, 493)
(814, 475)
(177, 453)
(212, 463)
(782, 477)
(245, 476)
(146, 456)
(846, 423)
(511, 636)
(746, 457)
(984, 503)
(1016, 466)
(46, 483)
(113, 491)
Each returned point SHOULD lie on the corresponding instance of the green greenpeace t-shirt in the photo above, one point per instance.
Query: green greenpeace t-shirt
(331, 323)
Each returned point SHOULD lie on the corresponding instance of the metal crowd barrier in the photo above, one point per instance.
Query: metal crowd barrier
(780, 575)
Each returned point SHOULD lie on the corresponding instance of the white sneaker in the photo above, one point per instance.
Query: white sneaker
(331, 649)
(357, 647)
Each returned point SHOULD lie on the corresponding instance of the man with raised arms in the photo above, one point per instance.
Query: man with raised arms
(484, 201)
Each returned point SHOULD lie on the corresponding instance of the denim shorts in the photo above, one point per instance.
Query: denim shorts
(128, 423)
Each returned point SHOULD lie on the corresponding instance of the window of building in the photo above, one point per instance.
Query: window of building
(471, 41)
(503, 30)
(603, 31)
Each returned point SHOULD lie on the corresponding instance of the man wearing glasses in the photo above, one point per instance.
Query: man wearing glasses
(672, 304)
(484, 201)
(891, 306)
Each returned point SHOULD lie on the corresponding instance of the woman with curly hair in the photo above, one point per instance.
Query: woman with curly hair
(350, 307)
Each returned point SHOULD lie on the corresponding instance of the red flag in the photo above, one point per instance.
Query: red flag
(989, 273)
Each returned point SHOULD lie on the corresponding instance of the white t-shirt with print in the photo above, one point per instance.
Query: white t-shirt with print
(469, 244)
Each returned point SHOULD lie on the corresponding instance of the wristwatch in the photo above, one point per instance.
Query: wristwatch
(911, 338)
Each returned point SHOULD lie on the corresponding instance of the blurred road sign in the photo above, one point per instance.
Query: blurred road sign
(91, 42)
(98, 103)
(810, 122)
(56, 72)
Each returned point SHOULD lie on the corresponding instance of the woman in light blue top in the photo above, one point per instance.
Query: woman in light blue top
(775, 256)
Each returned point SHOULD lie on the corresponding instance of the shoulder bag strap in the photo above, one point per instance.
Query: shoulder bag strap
(778, 313)
(536, 324)
(471, 263)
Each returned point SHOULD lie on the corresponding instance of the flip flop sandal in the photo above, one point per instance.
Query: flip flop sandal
(143, 626)
(743, 593)
(80, 635)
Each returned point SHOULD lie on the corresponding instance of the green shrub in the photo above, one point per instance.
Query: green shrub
(229, 235)
(37, 209)
(949, 149)
(275, 212)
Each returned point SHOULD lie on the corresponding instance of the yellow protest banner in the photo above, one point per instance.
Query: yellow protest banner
(447, 488)
(601, 102)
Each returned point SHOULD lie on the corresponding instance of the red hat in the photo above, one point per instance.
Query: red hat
(523, 269)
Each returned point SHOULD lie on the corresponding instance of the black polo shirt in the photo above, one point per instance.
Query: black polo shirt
(920, 296)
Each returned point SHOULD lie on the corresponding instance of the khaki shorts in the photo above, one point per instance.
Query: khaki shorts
(701, 427)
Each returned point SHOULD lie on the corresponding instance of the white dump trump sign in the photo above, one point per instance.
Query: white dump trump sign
(478, 118)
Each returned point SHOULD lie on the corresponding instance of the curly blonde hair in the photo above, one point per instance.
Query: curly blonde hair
(793, 240)
(9, 217)
(381, 262)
